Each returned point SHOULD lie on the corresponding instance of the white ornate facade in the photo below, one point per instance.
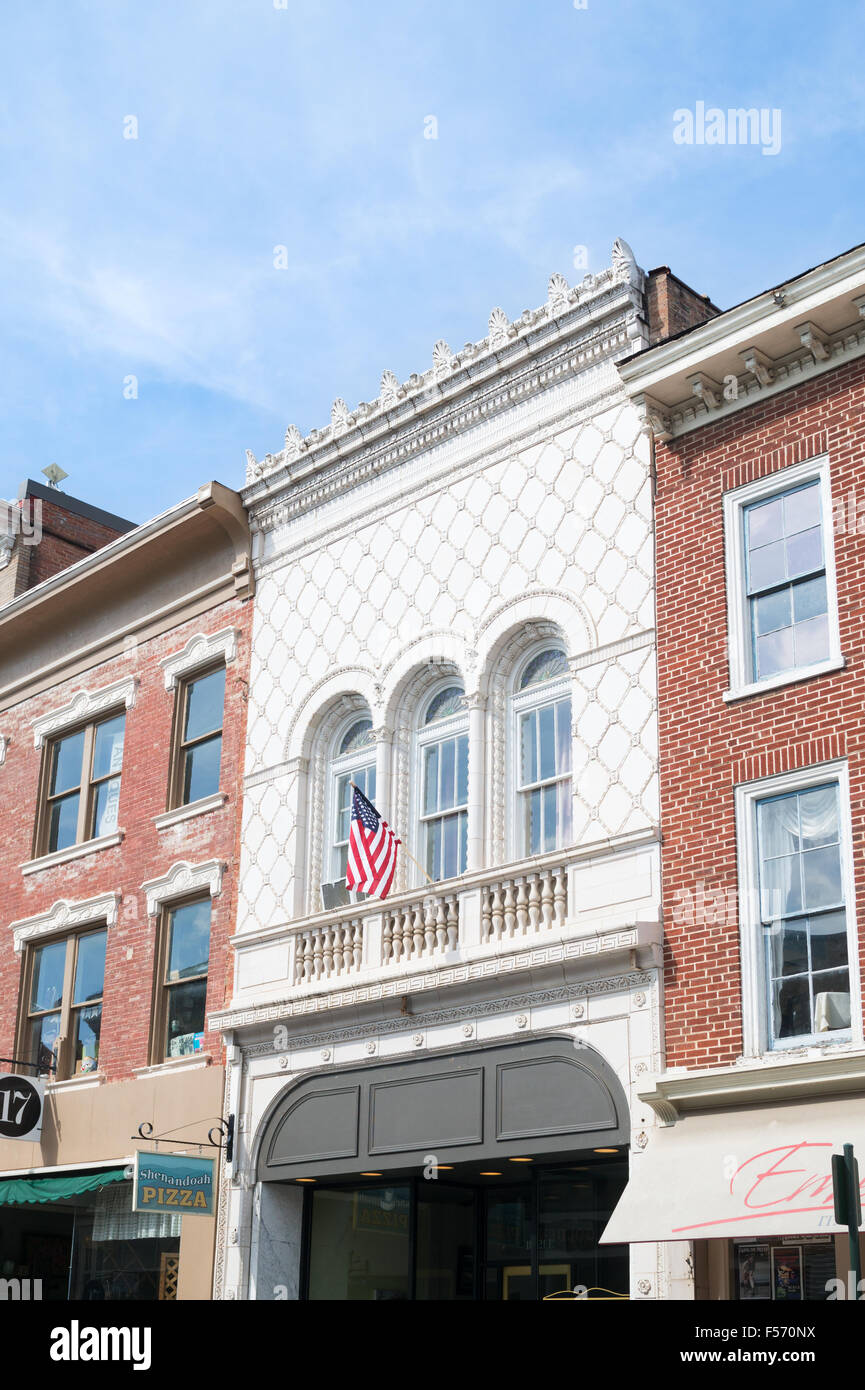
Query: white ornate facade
(495, 508)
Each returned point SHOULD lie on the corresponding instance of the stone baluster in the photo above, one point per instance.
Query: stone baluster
(417, 931)
(441, 925)
(560, 897)
(387, 949)
(327, 950)
(316, 955)
(547, 898)
(510, 915)
(497, 915)
(534, 903)
(522, 907)
(357, 945)
(452, 924)
(486, 916)
(429, 929)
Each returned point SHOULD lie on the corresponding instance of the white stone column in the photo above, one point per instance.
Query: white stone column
(276, 1242)
(383, 763)
(475, 857)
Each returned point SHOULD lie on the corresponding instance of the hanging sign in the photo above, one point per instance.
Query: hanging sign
(173, 1182)
(21, 1103)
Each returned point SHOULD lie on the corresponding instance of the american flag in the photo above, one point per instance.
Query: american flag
(371, 849)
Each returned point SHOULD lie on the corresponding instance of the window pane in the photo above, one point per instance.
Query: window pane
(430, 783)
(565, 805)
(563, 736)
(450, 846)
(447, 775)
(822, 875)
(788, 947)
(547, 728)
(811, 641)
(831, 1001)
(792, 1007)
(544, 667)
(828, 941)
(186, 1008)
(44, 1040)
(63, 822)
(48, 966)
(204, 704)
(462, 770)
(804, 552)
(781, 888)
(67, 756)
(108, 747)
(818, 811)
(433, 847)
(549, 814)
(358, 736)
(809, 598)
(775, 653)
(445, 703)
(766, 567)
(765, 523)
(528, 751)
(802, 509)
(778, 825)
(464, 835)
(87, 1025)
(189, 946)
(201, 771)
(90, 967)
(532, 812)
(105, 804)
(772, 611)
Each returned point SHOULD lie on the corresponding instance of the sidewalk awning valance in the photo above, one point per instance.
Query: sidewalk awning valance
(17, 1190)
(763, 1171)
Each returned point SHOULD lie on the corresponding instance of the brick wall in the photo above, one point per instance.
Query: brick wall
(672, 306)
(706, 747)
(145, 853)
(70, 529)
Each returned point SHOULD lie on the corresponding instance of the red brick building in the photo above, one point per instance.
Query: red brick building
(758, 419)
(122, 724)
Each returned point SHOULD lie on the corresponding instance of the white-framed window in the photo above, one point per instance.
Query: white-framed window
(442, 775)
(353, 760)
(782, 610)
(797, 923)
(541, 740)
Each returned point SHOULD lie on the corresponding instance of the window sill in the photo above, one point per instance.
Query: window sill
(190, 1063)
(194, 808)
(81, 1082)
(63, 856)
(743, 692)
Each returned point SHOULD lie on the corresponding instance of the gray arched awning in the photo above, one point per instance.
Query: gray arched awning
(548, 1097)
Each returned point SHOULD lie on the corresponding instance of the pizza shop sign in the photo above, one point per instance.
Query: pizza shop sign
(173, 1182)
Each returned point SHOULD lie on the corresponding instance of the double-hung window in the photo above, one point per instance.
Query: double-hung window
(542, 709)
(63, 1020)
(82, 790)
(798, 949)
(443, 745)
(199, 737)
(183, 960)
(353, 761)
(781, 579)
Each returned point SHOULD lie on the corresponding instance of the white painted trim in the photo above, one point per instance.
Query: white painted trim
(189, 1063)
(738, 619)
(193, 808)
(201, 649)
(183, 878)
(747, 794)
(83, 1082)
(820, 668)
(65, 915)
(85, 706)
(63, 856)
(58, 1168)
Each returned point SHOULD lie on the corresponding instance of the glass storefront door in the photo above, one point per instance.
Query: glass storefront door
(517, 1239)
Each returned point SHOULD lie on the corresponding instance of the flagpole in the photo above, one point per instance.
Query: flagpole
(406, 852)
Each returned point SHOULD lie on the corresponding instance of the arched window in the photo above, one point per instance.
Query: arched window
(353, 760)
(443, 754)
(542, 722)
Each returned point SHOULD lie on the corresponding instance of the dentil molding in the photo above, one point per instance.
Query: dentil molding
(85, 706)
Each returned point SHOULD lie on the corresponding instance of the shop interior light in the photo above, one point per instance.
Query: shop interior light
(490, 1175)
(521, 1160)
(606, 1151)
(446, 1167)
(372, 1175)
(305, 1180)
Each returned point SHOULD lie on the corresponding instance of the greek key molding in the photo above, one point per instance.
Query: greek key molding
(201, 649)
(183, 878)
(85, 706)
(65, 915)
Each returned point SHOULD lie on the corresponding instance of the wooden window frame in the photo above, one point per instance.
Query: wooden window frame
(63, 1059)
(87, 787)
(178, 745)
(161, 986)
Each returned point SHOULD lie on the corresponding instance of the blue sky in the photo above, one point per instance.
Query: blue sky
(303, 127)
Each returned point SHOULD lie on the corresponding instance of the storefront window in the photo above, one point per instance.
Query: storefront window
(788, 1269)
(360, 1244)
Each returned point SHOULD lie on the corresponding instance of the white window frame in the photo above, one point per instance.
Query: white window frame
(519, 701)
(451, 727)
(755, 1020)
(739, 644)
(337, 766)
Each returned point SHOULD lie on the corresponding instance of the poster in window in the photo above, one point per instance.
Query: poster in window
(787, 1273)
(754, 1271)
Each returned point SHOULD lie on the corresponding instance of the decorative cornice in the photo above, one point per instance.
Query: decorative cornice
(572, 331)
(65, 915)
(201, 649)
(183, 878)
(85, 706)
(762, 1081)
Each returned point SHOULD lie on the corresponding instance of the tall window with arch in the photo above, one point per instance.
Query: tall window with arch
(353, 760)
(542, 718)
(443, 753)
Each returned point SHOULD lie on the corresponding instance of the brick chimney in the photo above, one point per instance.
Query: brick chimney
(45, 531)
(672, 306)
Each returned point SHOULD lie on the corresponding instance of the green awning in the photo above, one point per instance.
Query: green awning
(14, 1190)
